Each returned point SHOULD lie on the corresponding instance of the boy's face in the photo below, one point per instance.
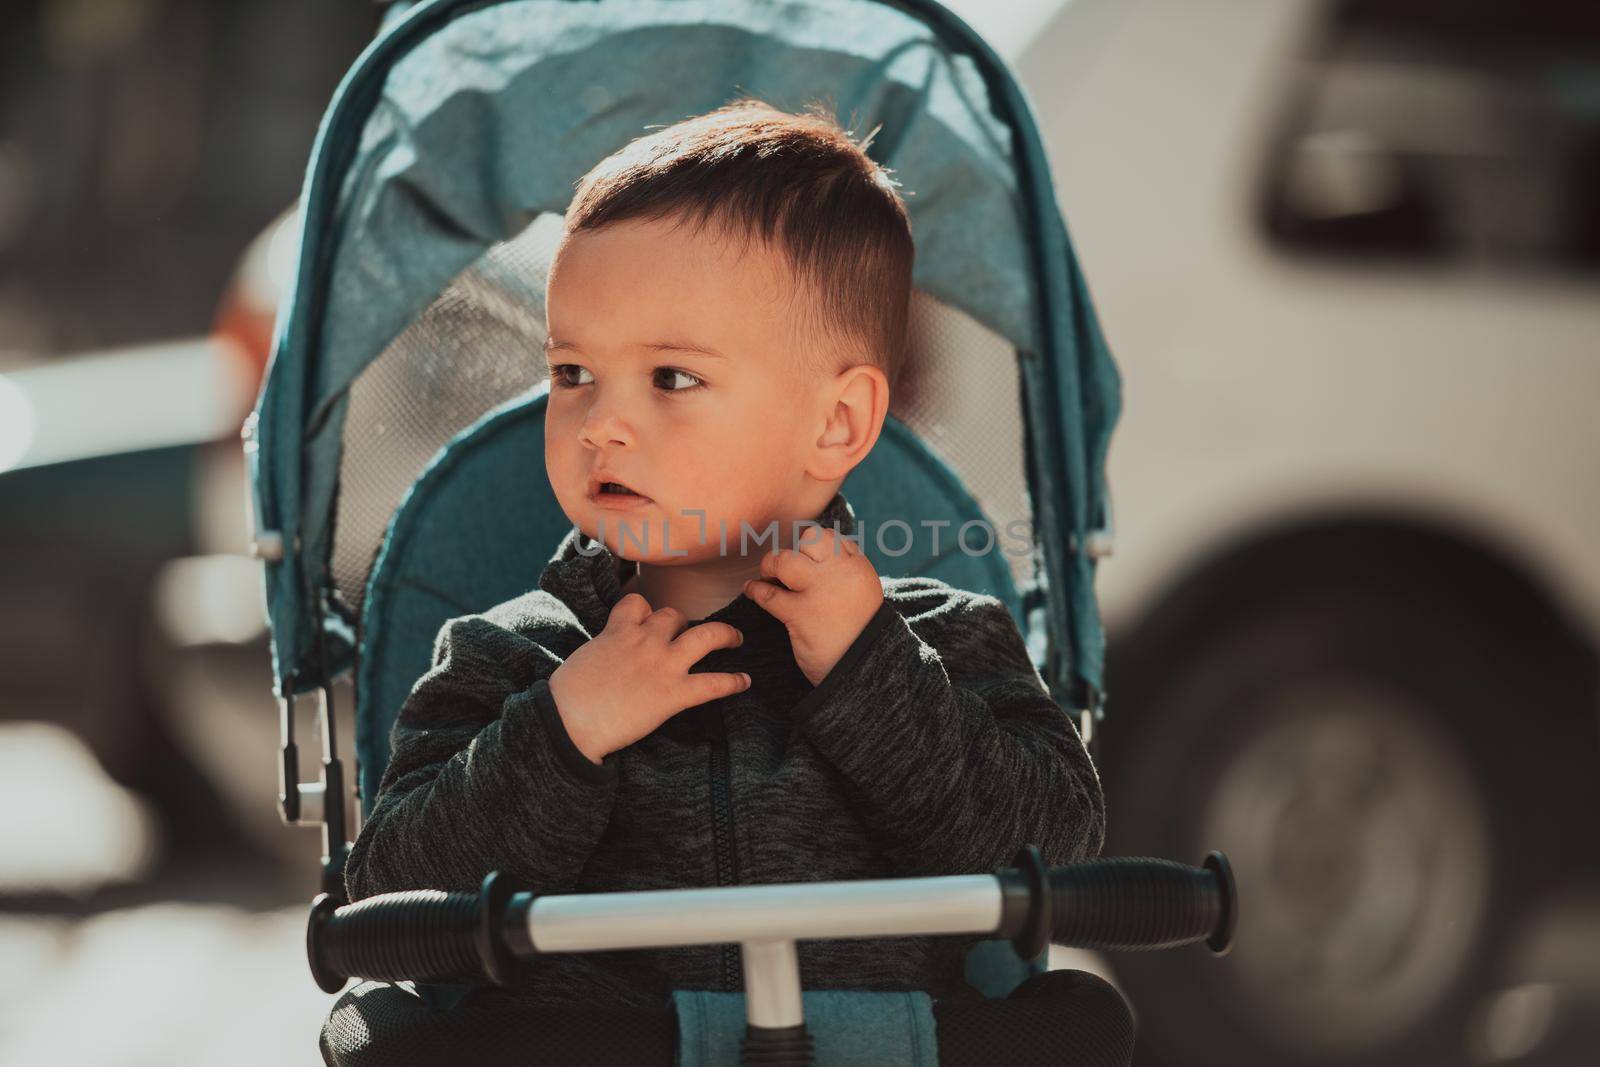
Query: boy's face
(674, 370)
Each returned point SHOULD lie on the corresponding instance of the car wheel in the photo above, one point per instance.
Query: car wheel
(1377, 769)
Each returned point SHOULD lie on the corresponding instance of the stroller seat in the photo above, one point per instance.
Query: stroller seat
(460, 543)
(405, 391)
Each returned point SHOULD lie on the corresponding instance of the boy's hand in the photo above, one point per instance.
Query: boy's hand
(829, 591)
(634, 675)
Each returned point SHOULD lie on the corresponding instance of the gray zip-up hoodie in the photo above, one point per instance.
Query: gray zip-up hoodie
(932, 748)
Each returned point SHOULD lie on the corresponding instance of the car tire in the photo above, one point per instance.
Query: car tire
(1392, 794)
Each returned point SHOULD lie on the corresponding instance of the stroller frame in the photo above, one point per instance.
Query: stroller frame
(1074, 655)
(1065, 367)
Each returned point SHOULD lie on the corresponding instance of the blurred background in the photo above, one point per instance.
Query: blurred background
(1347, 254)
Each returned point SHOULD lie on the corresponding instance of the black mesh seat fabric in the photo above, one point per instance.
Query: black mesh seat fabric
(376, 1024)
(1060, 1018)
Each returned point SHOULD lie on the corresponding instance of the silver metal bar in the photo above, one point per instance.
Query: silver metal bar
(771, 984)
(313, 797)
(662, 918)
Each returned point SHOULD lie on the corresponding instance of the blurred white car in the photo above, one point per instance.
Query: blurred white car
(1347, 255)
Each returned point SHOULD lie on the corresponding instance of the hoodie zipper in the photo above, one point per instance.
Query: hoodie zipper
(722, 832)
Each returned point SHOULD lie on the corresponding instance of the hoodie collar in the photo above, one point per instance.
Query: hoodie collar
(586, 576)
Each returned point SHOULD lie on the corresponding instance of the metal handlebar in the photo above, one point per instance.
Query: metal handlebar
(432, 936)
(428, 935)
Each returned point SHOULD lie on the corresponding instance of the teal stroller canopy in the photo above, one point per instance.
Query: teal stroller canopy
(432, 200)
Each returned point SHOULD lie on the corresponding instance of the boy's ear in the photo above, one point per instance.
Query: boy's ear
(854, 405)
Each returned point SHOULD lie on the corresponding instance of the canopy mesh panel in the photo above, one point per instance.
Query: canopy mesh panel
(480, 344)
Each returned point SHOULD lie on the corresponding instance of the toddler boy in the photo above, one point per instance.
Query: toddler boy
(726, 316)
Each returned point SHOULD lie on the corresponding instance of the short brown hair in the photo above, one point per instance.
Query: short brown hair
(800, 182)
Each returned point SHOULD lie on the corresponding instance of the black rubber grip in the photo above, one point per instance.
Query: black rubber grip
(425, 935)
(1143, 903)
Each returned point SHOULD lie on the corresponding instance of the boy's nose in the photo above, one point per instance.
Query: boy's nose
(603, 427)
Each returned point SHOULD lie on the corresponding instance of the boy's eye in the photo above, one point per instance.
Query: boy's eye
(670, 379)
(558, 375)
(671, 375)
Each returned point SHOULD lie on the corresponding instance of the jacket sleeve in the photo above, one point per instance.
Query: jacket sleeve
(954, 752)
(482, 776)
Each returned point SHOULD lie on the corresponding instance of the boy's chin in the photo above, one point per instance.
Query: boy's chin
(687, 557)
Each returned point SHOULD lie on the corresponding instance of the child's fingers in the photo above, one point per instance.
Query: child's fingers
(712, 685)
(826, 544)
(697, 641)
(632, 608)
(780, 603)
(792, 568)
(813, 542)
(668, 621)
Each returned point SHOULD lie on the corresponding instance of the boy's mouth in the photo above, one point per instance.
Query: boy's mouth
(615, 491)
